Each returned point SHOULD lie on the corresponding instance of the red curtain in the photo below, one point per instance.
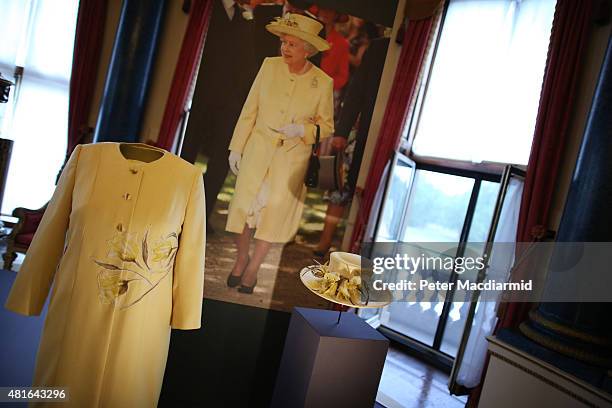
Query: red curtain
(568, 39)
(85, 61)
(409, 66)
(185, 70)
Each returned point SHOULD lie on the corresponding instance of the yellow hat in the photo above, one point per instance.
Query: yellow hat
(299, 26)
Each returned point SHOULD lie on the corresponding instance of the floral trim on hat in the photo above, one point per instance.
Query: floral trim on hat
(287, 21)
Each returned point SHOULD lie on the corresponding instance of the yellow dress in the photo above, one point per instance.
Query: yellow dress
(277, 98)
(123, 244)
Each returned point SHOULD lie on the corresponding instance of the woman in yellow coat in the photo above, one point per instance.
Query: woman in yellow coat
(272, 142)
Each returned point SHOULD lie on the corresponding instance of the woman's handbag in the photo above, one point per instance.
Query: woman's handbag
(324, 172)
(312, 174)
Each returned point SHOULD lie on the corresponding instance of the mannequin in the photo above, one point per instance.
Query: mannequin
(140, 152)
(120, 254)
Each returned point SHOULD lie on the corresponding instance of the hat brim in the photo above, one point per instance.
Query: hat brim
(319, 43)
(382, 298)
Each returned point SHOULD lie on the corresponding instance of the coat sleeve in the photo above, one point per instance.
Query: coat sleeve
(324, 116)
(188, 274)
(248, 115)
(36, 274)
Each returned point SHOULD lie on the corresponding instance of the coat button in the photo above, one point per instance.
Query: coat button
(127, 196)
(134, 171)
(120, 227)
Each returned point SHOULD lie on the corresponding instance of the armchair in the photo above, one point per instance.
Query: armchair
(21, 236)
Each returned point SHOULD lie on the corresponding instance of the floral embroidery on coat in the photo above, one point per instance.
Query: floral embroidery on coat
(130, 259)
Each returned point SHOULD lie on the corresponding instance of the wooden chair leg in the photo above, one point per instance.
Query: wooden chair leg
(9, 257)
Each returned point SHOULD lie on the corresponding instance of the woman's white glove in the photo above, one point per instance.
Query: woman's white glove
(234, 161)
(292, 130)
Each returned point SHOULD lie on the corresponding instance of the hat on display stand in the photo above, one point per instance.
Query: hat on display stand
(345, 280)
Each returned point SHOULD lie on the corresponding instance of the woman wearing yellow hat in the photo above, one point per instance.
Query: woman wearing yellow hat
(272, 142)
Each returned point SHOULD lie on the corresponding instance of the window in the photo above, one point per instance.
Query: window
(447, 208)
(38, 37)
(481, 99)
(478, 104)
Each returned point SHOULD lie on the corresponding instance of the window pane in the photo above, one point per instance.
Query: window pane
(49, 51)
(455, 325)
(40, 113)
(483, 94)
(437, 207)
(479, 230)
(14, 18)
(417, 320)
(483, 212)
(39, 128)
(436, 212)
(395, 201)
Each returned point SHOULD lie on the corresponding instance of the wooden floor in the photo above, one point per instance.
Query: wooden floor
(410, 383)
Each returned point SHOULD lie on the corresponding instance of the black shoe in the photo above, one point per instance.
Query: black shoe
(233, 281)
(247, 289)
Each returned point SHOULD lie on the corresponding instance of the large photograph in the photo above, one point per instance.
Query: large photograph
(277, 83)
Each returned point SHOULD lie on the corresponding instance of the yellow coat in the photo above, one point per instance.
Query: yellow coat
(277, 98)
(127, 239)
